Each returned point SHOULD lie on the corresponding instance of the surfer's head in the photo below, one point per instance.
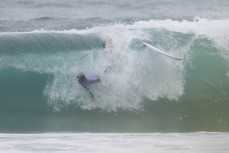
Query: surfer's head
(81, 77)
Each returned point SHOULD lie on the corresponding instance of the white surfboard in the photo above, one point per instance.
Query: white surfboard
(149, 44)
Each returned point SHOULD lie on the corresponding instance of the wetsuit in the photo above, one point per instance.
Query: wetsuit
(90, 80)
(87, 82)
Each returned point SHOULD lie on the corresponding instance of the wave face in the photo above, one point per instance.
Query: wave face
(38, 69)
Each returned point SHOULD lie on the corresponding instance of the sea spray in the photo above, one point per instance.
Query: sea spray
(134, 74)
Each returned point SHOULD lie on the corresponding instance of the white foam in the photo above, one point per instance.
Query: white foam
(115, 143)
(135, 74)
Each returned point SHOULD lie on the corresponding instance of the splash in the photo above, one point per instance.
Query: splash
(134, 72)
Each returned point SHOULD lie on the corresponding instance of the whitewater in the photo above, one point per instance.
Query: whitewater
(145, 102)
(145, 75)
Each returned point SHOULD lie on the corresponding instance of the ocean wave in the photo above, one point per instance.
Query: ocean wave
(136, 73)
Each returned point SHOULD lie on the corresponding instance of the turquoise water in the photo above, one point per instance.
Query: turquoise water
(44, 44)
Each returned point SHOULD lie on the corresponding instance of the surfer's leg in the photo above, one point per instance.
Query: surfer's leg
(107, 68)
(90, 93)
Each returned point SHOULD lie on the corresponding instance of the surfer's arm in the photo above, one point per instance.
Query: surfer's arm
(107, 42)
(104, 44)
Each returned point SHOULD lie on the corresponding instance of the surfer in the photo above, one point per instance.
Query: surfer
(86, 82)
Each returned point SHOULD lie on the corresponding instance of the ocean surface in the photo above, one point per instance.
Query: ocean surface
(44, 44)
